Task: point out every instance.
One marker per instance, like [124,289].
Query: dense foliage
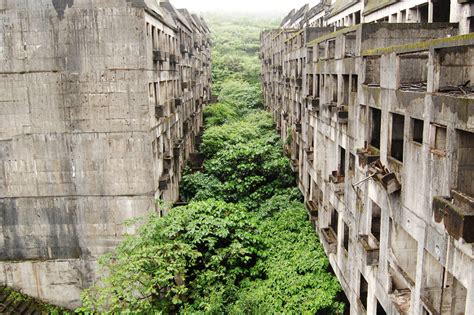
[243,244]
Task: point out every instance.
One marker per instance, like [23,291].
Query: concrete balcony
[371,248]
[386,178]
[367,156]
[312,208]
[457,214]
[329,239]
[343,115]
[159,55]
[336,181]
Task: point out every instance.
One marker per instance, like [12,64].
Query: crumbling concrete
[100,107]
[379,123]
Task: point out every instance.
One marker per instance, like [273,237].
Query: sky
[247,6]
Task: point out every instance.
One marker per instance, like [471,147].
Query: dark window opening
[357,17]
[376,119]
[364,290]
[351,163]
[417,130]
[376,221]
[455,69]
[471,24]
[380,309]
[331,49]
[342,161]
[350,44]
[310,84]
[441,10]
[465,154]
[438,138]
[316,83]
[413,71]
[345,242]
[423,13]
[398,127]
[322,50]
[334,88]
[345,81]
[334,220]
[354,84]
[372,71]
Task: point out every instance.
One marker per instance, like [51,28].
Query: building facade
[378,119]
[100,106]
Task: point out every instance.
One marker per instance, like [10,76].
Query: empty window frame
[334,220]
[345,241]
[455,68]
[345,89]
[405,249]
[376,221]
[351,164]
[331,49]
[316,85]
[310,84]
[350,45]
[372,71]
[465,161]
[322,50]
[375,127]
[441,10]
[423,13]
[413,71]
[438,137]
[441,295]
[363,291]
[417,127]
[354,83]
[357,17]
[380,310]
[334,87]
[342,161]
[397,138]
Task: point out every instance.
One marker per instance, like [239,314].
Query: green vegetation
[15,301]
[243,244]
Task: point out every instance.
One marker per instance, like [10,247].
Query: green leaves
[241,94]
[243,244]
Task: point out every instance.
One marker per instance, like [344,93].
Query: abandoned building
[375,102]
[100,106]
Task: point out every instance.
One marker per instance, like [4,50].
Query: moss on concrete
[457,40]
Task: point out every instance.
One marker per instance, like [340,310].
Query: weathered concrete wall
[387,240]
[82,145]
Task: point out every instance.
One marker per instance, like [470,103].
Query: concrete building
[100,106]
[378,119]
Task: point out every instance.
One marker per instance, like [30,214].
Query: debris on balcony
[414,87]
[401,299]
[367,156]
[464,90]
[383,175]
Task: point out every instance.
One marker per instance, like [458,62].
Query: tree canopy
[243,243]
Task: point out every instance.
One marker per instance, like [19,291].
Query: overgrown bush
[243,244]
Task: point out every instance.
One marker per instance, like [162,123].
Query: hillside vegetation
[243,244]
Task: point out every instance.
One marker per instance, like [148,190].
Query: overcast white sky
[253,6]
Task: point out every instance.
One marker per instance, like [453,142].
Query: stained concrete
[90,126]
